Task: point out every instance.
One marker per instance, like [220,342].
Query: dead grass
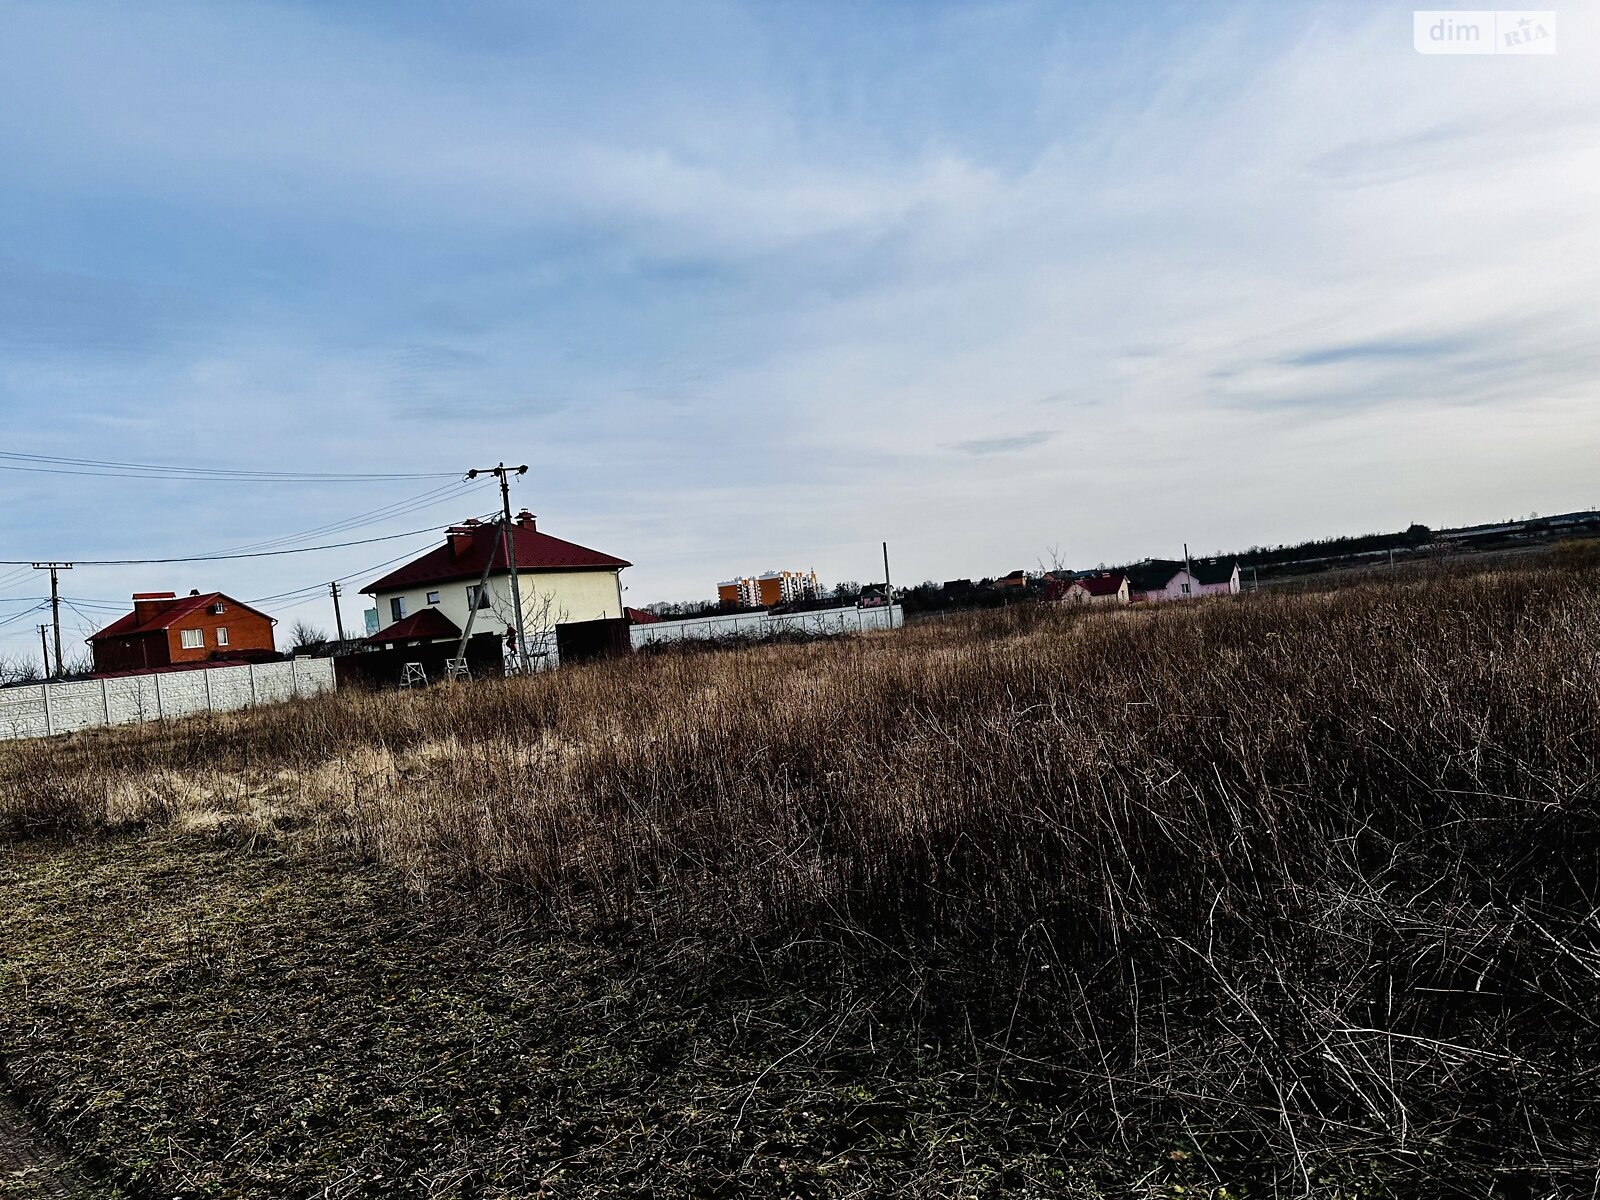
[1309,879]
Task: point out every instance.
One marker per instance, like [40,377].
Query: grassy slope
[201,1020]
[1312,881]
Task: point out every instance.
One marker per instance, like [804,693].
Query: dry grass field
[1283,894]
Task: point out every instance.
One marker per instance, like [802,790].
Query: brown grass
[1311,880]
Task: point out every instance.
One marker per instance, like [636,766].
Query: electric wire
[140,562]
[18,616]
[51,464]
[310,591]
[398,508]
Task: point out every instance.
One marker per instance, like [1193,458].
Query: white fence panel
[41,709]
[758,625]
[22,712]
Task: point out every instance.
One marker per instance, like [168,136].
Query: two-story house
[432,597]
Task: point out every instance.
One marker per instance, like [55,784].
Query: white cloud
[1266,278]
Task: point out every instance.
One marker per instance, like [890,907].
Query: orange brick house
[164,629]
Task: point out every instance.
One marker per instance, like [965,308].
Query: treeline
[1413,537]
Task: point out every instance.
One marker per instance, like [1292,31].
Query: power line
[387,512]
[139,562]
[18,616]
[49,464]
[314,590]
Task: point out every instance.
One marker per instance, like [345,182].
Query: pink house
[1157,579]
[1164,579]
[1215,577]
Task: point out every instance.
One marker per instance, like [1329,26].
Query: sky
[763,285]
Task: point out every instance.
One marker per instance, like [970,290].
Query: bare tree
[19,669]
[304,633]
[540,615]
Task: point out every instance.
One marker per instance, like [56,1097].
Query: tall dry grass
[1313,879]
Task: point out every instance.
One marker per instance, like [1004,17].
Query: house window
[193,639]
[222,635]
[1185,588]
[217,608]
[433,597]
[397,608]
[476,598]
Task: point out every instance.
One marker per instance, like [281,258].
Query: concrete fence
[756,625]
[41,709]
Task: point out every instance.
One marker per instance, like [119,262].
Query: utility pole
[888,592]
[504,472]
[55,602]
[338,618]
[44,650]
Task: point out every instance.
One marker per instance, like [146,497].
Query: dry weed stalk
[1314,877]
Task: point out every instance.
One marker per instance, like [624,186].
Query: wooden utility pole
[44,650]
[504,472]
[55,602]
[338,619]
[478,600]
[888,592]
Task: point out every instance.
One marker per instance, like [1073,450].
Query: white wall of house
[548,599]
[1181,586]
[1229,586]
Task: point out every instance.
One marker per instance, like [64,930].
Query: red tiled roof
[1102,585]
[169,614]
[425,623]
[640,616]
[463,556]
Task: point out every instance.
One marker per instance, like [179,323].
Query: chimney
[146,605]
[194,591]
[526,520]
[461,536]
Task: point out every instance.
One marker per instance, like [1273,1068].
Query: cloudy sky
[761,285]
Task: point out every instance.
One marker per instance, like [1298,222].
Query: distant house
[640,616]
[432,597]
[1216,577]
[164,630]
[1106,587]
[1157,579]
[1016,579]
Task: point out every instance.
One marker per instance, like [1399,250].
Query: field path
[29,1169]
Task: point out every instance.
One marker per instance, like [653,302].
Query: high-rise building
[771,588]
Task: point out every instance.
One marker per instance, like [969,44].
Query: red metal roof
[1102,585]
[468,546]
[640,616]
[168,611]
[425,623]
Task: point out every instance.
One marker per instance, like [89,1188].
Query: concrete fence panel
[757,625]
[42,709]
